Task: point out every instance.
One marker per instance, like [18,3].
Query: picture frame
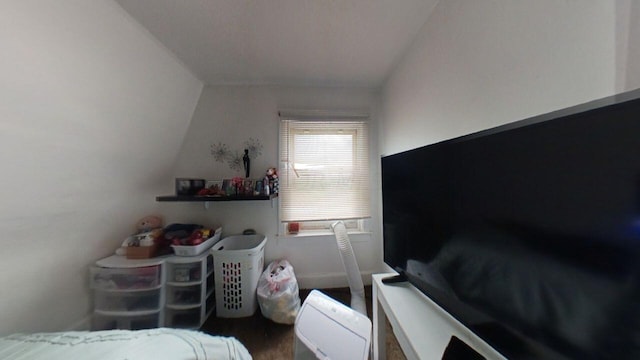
[227,187]
[183,186]
[212,184]
[247,187]
[258,188]
[214,188]
[188,186]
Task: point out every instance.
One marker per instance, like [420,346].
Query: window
[324,172]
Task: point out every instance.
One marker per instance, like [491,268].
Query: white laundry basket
[238,262]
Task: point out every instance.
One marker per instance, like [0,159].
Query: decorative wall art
[236,159]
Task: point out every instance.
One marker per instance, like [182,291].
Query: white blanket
[152,344]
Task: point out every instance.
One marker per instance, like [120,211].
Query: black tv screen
[528,233]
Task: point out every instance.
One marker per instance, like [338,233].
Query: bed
[152,344]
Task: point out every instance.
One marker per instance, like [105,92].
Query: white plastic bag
[278,294]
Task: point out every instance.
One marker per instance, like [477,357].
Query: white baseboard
[329,280]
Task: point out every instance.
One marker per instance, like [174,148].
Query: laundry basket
[238,262]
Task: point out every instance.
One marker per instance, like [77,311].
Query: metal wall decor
[237,160]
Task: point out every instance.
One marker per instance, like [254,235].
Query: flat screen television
[528,233]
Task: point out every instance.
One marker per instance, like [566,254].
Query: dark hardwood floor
[267,340]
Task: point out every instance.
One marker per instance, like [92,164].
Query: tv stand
[420,337]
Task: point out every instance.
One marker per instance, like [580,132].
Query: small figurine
[271,181]
[246,162]
[265,186]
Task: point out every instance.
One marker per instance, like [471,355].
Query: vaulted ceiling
[285,42]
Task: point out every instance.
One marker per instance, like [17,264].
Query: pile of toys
[151,239]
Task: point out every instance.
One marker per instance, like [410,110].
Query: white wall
[627,45]
[480,64]
[233,114]
[92,114]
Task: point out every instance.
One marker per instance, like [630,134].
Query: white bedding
[152,344]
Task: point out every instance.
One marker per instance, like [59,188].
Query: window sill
[354,236]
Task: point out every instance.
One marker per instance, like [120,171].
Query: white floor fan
[356,286]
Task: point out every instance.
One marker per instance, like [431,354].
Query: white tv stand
[422,328]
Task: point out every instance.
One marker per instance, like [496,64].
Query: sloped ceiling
[285,42]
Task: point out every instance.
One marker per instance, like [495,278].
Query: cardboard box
[142,252]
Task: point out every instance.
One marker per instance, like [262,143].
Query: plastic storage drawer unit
[128,294]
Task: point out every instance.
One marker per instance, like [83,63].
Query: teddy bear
[148,223]
[147,231]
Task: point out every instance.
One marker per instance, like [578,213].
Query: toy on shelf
[271,185]
[214,189]
[146,241]
[149,223]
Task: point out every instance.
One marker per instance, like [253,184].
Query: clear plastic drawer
[183,318]
[184,295]
[133,322]
[185,272]
[125,279]
[106,300]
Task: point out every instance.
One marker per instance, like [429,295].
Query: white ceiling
[286,42]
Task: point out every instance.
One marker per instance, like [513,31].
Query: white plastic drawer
[106,300]
[125,279]
[134,322]
[183,318]
[184,295]
[185,272]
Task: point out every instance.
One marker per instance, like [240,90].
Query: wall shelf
[195,198]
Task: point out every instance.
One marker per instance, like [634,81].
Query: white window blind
[324,172]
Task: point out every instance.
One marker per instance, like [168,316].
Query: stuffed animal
[271,181]
[148,231]
[148,223]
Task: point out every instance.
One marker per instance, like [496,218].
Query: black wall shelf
[195,198]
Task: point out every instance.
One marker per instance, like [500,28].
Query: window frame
[361,155]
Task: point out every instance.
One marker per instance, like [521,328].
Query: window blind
[324,170]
